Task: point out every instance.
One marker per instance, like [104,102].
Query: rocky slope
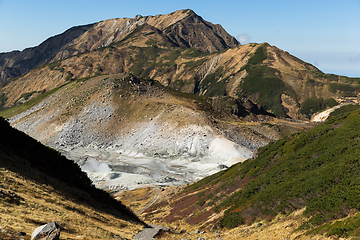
[143,129]
[180,28]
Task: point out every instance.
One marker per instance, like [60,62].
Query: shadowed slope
[27,167]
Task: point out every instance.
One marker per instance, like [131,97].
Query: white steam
[93,165]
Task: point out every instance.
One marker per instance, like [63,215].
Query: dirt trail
[156,197]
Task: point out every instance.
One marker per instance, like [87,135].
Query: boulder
[50,231]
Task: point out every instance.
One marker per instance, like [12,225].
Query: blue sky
[324,33]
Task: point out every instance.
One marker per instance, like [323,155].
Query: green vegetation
[54,65]
[145,59]
[177,84]
[313,104]
[213,83]
[69,76]
[29,94]
[344,109]
[266,88]
[345,89]
[232,220]
[151,42]
[314,83]
[259,56]
[193,64]
[318,169]
[9,112]
[262,85]
[3,99]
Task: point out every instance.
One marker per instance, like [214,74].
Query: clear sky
[325,33]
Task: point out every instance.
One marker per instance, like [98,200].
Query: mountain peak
[182,28]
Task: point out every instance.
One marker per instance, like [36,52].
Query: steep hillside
[180,28]
[144,129]
[39,185]
[317,170]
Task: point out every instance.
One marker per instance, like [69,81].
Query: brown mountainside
[182,51]
[262,73]
[181,28]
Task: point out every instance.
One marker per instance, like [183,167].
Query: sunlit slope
[317,169]
[268,76]
[178,29]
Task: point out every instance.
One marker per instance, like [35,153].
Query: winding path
[156,197]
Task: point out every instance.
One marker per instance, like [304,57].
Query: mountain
[314,172]
[39,185]
[180,28]
[129,120]
[170,99]
[144,88]
[281,83]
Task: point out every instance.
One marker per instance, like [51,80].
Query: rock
[202,232]
[50,231]
[213,227]
[197,231]
[21,234]
[217,231]
[222,166]
[182,231]
[258,225]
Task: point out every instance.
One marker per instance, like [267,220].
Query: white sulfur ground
[119,170]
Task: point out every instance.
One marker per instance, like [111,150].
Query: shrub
[231,220]
[313,104]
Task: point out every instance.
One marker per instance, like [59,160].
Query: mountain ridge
[92,36]
[178,50]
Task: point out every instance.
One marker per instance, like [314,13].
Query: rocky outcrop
[195,32]
[50,231]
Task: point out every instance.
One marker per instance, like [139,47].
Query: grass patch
[344,89]
[313,104]
[9,112]
[318,169]
[3,99]
[265,88]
